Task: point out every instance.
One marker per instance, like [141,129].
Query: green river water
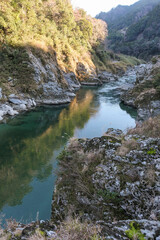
[31,142]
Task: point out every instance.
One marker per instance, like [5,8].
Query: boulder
[16,101]
[20,107]
[107,77]
[72,80]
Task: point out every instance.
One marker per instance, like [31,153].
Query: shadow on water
[130,110]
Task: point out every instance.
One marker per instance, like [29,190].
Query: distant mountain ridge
[135,29]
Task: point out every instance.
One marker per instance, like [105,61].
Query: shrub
[134,232]
[157,82]
[154,60]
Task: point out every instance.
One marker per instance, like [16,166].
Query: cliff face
[38,79]
[44,53]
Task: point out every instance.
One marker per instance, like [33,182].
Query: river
[31,142]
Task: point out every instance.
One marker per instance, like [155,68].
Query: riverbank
[142,94]
[52,94]
[145,94]
[111,191]
[43,82]
[106,188]
[115,181]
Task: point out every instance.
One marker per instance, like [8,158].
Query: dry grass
[3,234]
[37,236]
[70,229]
[149,128]
[150,176]
[73,144]
[73,229]
[12,224]
[127,146]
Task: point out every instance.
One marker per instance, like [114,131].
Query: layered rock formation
[145,95]
[114,183]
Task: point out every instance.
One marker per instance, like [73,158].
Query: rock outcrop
[114,182]
[42,81]
[145,95]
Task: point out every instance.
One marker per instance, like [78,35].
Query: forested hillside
[35,34]
[134,30]
[45,27]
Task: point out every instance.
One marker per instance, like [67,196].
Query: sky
[93,7]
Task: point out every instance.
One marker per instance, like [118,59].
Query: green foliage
[109,196]
[86,28]
[115,63]
[151,151]
[96,237]
[15,67]
[134,232]
[154,60]
[63,155]
[134,30]
[47,23]
[157,82]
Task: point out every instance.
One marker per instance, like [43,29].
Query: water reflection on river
[30,143]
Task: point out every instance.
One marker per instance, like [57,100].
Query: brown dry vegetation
[149,128]
[127,146]
[73,229]
[70,229]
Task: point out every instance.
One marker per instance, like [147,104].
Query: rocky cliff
[42,82]
[47,50]
[44,53]
[112,189]
[33,76]
[145,94]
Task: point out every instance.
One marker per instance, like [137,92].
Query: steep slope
[42,45]
[47,50]
[134,30]
[124,16]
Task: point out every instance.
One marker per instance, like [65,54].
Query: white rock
[17,101]
[71,94]
[10,79]
[5,108]
[42,221]
[12,95]
[34,103]
[12,112]
[158,166]
[51,234]
[29,103]
[1,113]
[22,106]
